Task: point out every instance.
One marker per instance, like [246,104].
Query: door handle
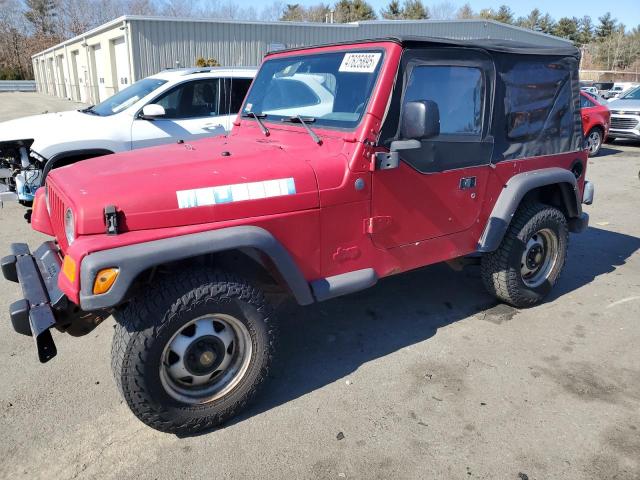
[467,183]
[213,126]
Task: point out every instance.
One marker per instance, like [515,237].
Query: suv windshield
[127,97]
[633,94]
[330,89]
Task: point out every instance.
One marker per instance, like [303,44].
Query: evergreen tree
[531,21]
[392,11]
[465,12]
[42,15]
[353,11]
[585,33]
[606,27]
[504,15]
[414,10]
[293,12]
[547,24]
[567,28]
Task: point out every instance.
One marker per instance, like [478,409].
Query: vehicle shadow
[605,151]
[623,142]
[326,342]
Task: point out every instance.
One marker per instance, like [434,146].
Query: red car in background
[596,120]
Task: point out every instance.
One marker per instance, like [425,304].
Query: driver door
[437,189]
[192,111]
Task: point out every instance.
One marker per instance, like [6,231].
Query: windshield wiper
[89,109]
[304,121]
[259,117]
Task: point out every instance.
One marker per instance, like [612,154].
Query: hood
[49,129]
[184,184]
[625,104]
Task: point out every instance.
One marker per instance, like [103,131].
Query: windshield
[329,89]
[127,97]
[633,94]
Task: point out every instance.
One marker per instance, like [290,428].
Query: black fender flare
[513,193]
[86,152]
[132,260]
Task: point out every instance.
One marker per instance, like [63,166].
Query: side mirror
[152,111]
[420,120]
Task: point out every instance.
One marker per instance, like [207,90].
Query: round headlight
[69,226]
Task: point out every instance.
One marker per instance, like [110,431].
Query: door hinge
[376,224]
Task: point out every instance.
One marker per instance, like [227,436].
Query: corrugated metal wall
[159,43]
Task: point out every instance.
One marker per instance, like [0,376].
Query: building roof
[121,22]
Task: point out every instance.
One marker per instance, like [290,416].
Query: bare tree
[272,12]
[443,11]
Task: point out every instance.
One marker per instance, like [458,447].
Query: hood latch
[111,219]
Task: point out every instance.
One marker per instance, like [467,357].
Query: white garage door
[99,74]
[122,64]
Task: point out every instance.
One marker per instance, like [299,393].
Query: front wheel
[528,262]
[191,354]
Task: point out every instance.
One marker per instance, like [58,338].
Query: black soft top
[489,45]
[492,45]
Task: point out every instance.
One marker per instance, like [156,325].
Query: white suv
[625,116]
[182,104]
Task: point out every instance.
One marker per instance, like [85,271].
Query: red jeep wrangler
[347,163]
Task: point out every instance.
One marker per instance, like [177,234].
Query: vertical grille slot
[57,217]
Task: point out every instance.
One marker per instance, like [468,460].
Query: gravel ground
[18,104]
[422,376]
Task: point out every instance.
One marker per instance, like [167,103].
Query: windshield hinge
[111,219]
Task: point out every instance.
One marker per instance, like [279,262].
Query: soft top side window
[461,82]
[535,108]
[540,105]
[458,92]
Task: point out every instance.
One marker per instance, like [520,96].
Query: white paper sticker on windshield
[360,62]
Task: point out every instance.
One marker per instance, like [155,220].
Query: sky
[626,11]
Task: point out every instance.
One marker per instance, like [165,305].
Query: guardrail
[17,85]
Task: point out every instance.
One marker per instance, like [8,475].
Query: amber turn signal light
[69,268]
[104,280]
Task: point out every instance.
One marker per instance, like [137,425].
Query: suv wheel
[193,352]
[594,141]
[528,262]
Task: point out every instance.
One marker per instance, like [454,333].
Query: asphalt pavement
[422,376]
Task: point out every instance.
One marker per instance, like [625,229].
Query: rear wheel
[194,352]
[528,262]
[594,141]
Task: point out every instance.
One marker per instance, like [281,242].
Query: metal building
[93,66]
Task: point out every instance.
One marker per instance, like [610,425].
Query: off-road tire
[500,269]
[145,325]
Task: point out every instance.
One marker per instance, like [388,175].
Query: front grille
[624,123]
[57,216]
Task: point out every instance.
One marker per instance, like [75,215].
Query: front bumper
[625,126]
[36,312]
